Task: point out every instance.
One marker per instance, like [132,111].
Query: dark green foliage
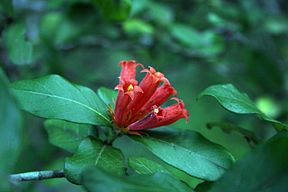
[264,169]
[233,51]
[10,132]
[54,97]
[98,180]
[189,152]
[93,153]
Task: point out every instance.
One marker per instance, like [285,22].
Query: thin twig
[36,176]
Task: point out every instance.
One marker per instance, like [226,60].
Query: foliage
[10,141]
[235,52]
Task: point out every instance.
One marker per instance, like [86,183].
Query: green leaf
[235,101]
[204,186]
[185,34]
[93,153]
[6,6]
[10,132]
[95,180]
[262,170]
[160,13]
[66,135]
[108,96]
[190,152]
[145,166]
[54,97]
[139,155]
[268,106]
[138,27]
[206,43]
[250,136]
[230,98]
[19,50]
[115,10]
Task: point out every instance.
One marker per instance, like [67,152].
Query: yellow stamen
[130,88]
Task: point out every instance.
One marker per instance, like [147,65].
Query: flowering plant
[105,142]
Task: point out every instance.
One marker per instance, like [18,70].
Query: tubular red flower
[150,120]
[127,89]
[149,85]
[137,107]
[161,116]
[159,97]
[128,71]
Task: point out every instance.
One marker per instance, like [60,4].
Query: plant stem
[36,176]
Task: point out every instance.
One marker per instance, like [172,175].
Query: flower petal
[149,85]
[161,116]
[150,120]
[128,71]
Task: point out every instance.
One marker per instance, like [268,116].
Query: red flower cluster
[138,106]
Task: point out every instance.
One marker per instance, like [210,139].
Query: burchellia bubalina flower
[138,105]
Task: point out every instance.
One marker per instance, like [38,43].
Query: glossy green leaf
[10,132]
[235,101]
[108,96]
[20,51]
[54,97]
[95,180]
[230,98]
[264,169]
[145,166]
[190,152]
[66,135]
[115,10]
[93,153]
[138,155]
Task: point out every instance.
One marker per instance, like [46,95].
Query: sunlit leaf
[138,27]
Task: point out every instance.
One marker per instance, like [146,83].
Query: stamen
[156,110]
[130,88]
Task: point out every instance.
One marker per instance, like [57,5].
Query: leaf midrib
[143,165]
[99,154]
[66,99]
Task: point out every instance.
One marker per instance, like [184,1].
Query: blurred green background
[195,43]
